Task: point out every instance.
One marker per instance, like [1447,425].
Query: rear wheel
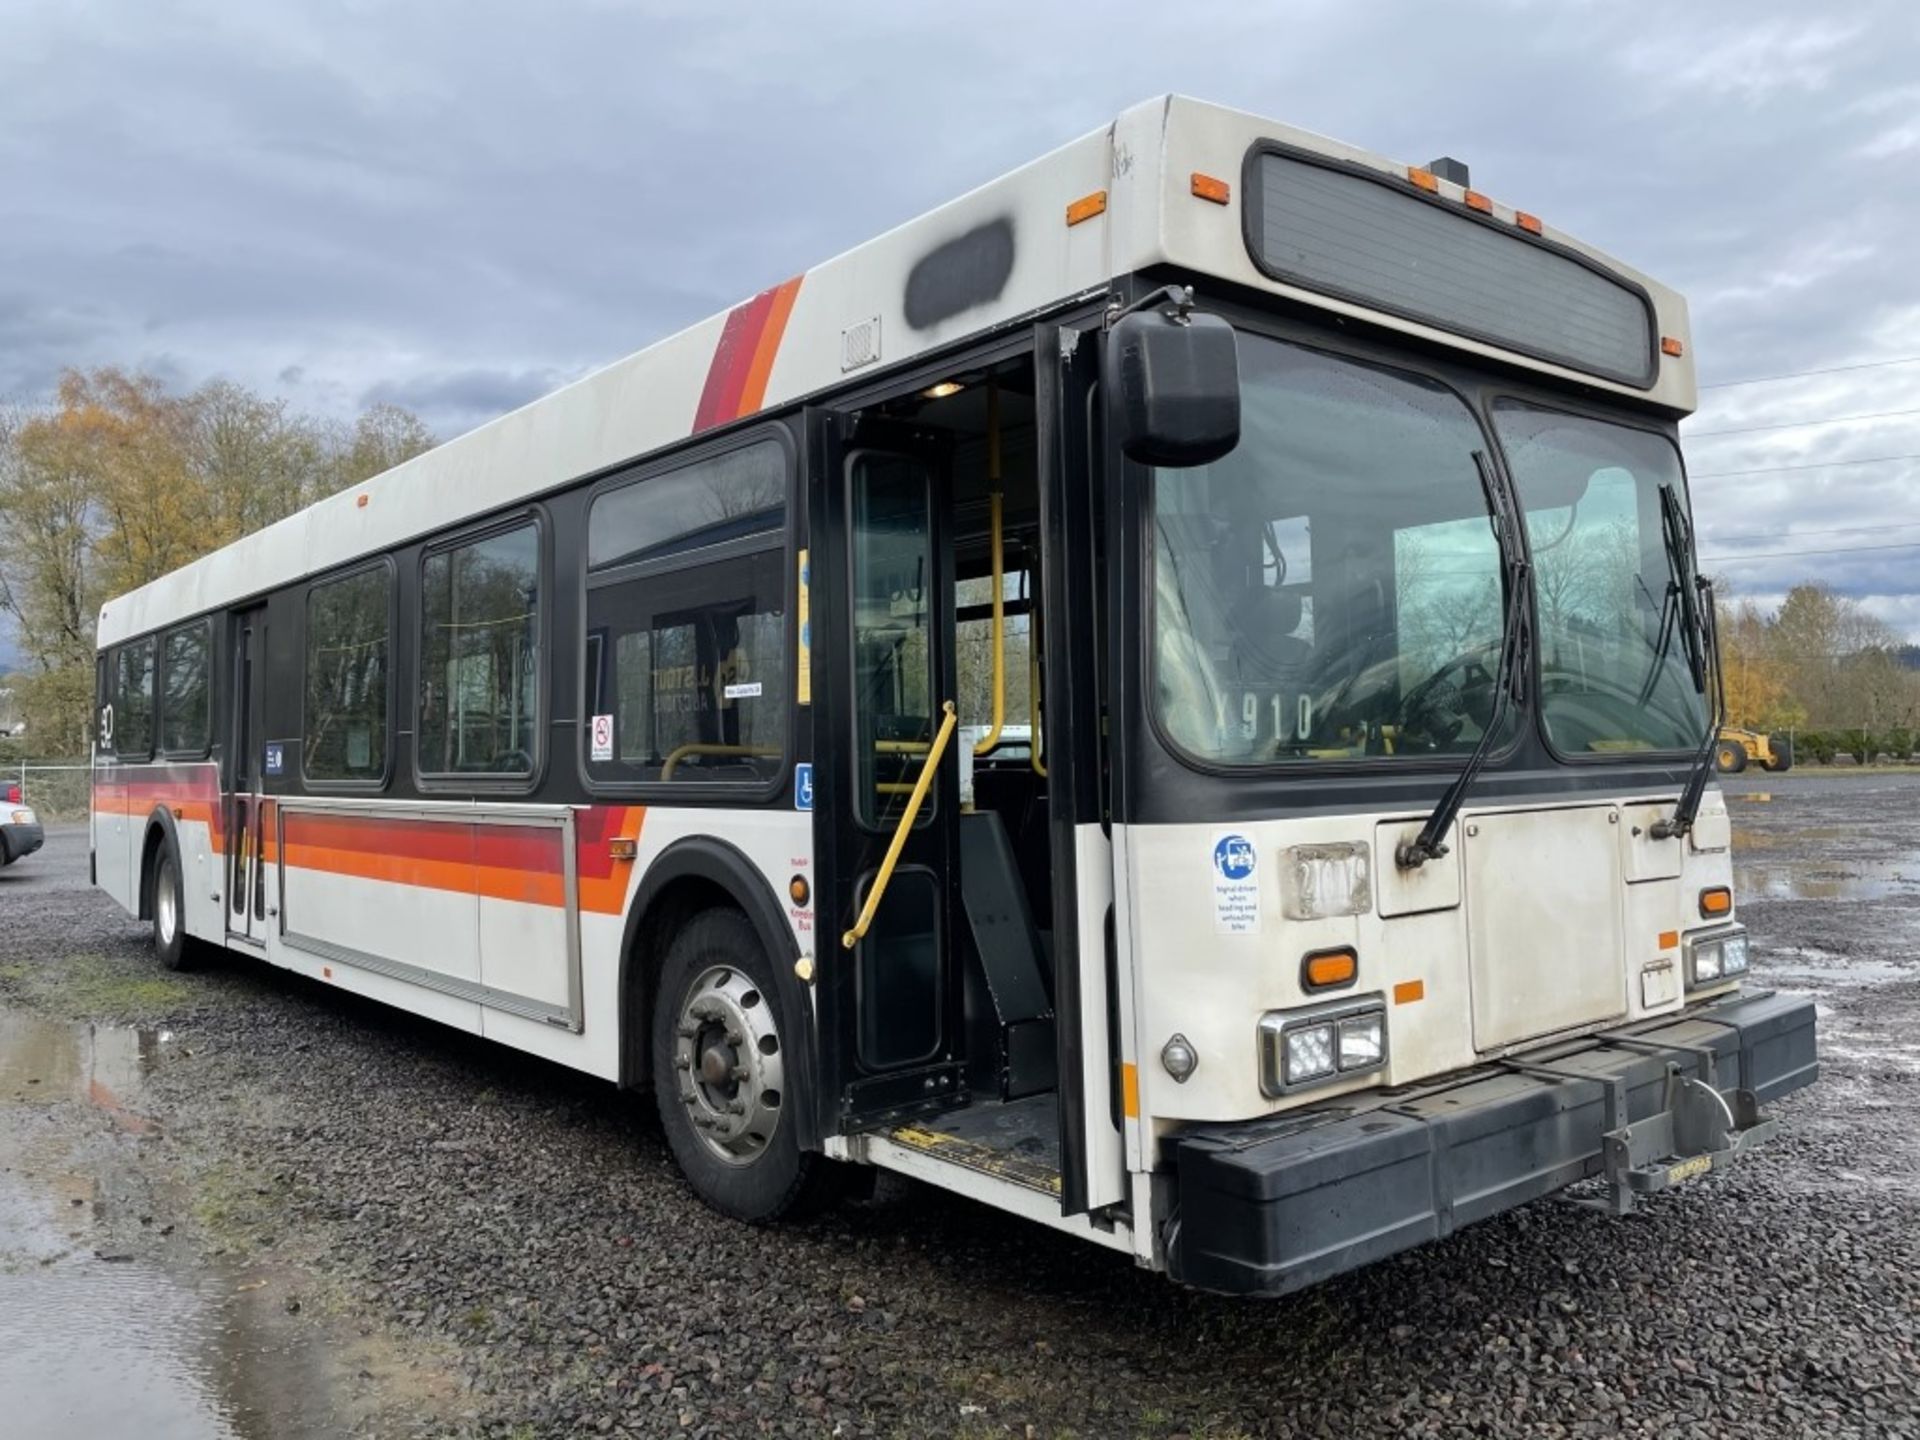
[1729,758]
[170,941]
[722,1076]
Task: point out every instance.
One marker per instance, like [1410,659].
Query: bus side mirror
[1172,379]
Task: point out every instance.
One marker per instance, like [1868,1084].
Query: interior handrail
[907,817]
[687,752]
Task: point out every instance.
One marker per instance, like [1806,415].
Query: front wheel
[723,1078]
[1730,759]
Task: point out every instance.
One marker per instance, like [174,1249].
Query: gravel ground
[517,1240]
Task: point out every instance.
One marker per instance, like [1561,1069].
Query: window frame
[784,539]
[138,757]
[162,670]
[518,782]
[364,785]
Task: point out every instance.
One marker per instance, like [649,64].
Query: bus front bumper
[1272,1206]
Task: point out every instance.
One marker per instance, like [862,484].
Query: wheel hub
[729,1063]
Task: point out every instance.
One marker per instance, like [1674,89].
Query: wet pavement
[102,1337]
[233,1203]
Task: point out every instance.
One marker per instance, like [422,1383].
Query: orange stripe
[754,393]
[1130,1090]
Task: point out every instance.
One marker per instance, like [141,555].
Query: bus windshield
[1332,588]
[1614,674]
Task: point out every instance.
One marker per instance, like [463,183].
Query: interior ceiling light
[942,390]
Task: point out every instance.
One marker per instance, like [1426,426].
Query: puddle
[100,1337]
[1826,879]
[104,1065]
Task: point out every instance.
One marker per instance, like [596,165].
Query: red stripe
[732,359]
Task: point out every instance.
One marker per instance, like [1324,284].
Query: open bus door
[890,1005]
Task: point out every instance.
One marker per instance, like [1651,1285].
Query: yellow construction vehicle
[1737,748]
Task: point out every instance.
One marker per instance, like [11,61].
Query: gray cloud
[454,208]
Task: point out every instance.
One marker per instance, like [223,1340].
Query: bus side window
[695,666]
[133,714]
[479,655]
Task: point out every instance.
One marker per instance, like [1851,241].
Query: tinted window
[133,705]
[347,658]
[479,655]
[186,717]
[740,493]
[688,668]
[894,700]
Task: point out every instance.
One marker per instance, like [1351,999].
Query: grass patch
[94,987]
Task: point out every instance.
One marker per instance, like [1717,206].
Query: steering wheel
[1439,707]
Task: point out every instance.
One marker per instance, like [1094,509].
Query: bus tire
[170,940]
[725,1090]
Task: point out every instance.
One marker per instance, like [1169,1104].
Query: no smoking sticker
[602,737]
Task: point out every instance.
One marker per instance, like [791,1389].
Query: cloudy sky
[458,206]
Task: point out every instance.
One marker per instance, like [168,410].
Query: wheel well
[149,859]
[666,912]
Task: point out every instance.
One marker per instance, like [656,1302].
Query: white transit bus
[1352,874]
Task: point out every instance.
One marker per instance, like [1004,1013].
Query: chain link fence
[56,789]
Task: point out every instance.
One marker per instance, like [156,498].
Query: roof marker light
[1670,346]
[1477,201]
[1528,223]
[1086,207]
[1209,187]
[1424,179]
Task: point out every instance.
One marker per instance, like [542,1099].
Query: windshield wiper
[1509,679]
[1699,627]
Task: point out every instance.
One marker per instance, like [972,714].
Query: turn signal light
[1715,902]
[622,848]
[1671,346]
[1329,970]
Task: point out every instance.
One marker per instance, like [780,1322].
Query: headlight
[1733,955]
[1363,1041]
[1715,956]
[1309,1053]
[1299,1048]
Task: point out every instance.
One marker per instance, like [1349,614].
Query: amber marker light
[798,888]
[1671,346]
[1528,223]
[1210,187]
[1716,903]
[1329,970]
[1477,201]
[1423,179]
[1086,207]
[623,848]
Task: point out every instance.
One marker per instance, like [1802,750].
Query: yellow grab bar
[907,817]
[683,752]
